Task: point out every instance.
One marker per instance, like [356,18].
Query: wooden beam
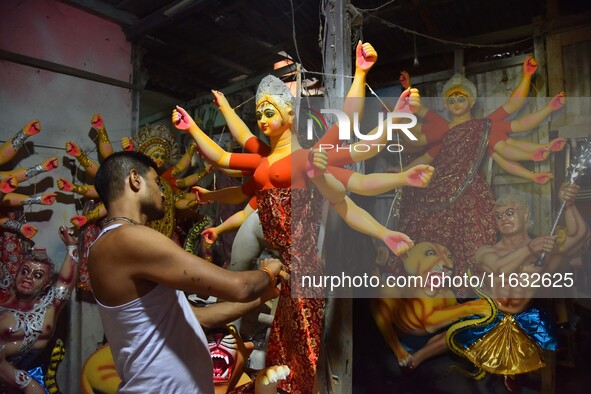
[66,70]
[105,10]
[164,16]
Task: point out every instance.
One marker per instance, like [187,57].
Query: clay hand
[409,101]
[530,65]
[542,244]
[558,101]
[79,220]
[317,163]
[67,235]
[8,185]
[200,194]
[28,231]
[127,144]
[181,119]
[398,243]
[404,79]
[568,192]
[209,235]
[366,56]
[64,184]
[219,99]
[419,176]
[48,198]
[50,164]
[72,149]
[32,128]
[97,122]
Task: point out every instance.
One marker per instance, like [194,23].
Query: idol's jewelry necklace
[128,220]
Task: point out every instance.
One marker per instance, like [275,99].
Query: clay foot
[557,144]
[407,366]
[542,178]
[268,378]
[541,154]
[398,243]
[512,384]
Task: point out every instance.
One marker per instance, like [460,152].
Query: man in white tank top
[138,277]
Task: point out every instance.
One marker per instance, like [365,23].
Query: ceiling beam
[105,10]
[183,76]
[196,49]
[66,70]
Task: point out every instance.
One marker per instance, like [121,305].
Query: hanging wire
[293,32]
[376,8]
[456,43]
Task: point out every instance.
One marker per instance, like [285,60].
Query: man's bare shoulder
[118,259]
[134,236]
[127,245]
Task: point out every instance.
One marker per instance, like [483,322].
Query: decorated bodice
[30,326]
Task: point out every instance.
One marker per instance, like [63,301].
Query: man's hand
[72,149]
[419,176]
[50,164]
[365,56]
[275,266]
[530,65]
[32,128]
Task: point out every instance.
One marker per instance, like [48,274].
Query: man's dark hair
[110,178]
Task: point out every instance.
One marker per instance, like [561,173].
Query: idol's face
[429,260]
[158,155]
[223,349]
[458,104]
[270,120]
[32,278]
[510,219]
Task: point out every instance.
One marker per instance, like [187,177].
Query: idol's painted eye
[459,99]
[259,115]
[429,252]
[269,113]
